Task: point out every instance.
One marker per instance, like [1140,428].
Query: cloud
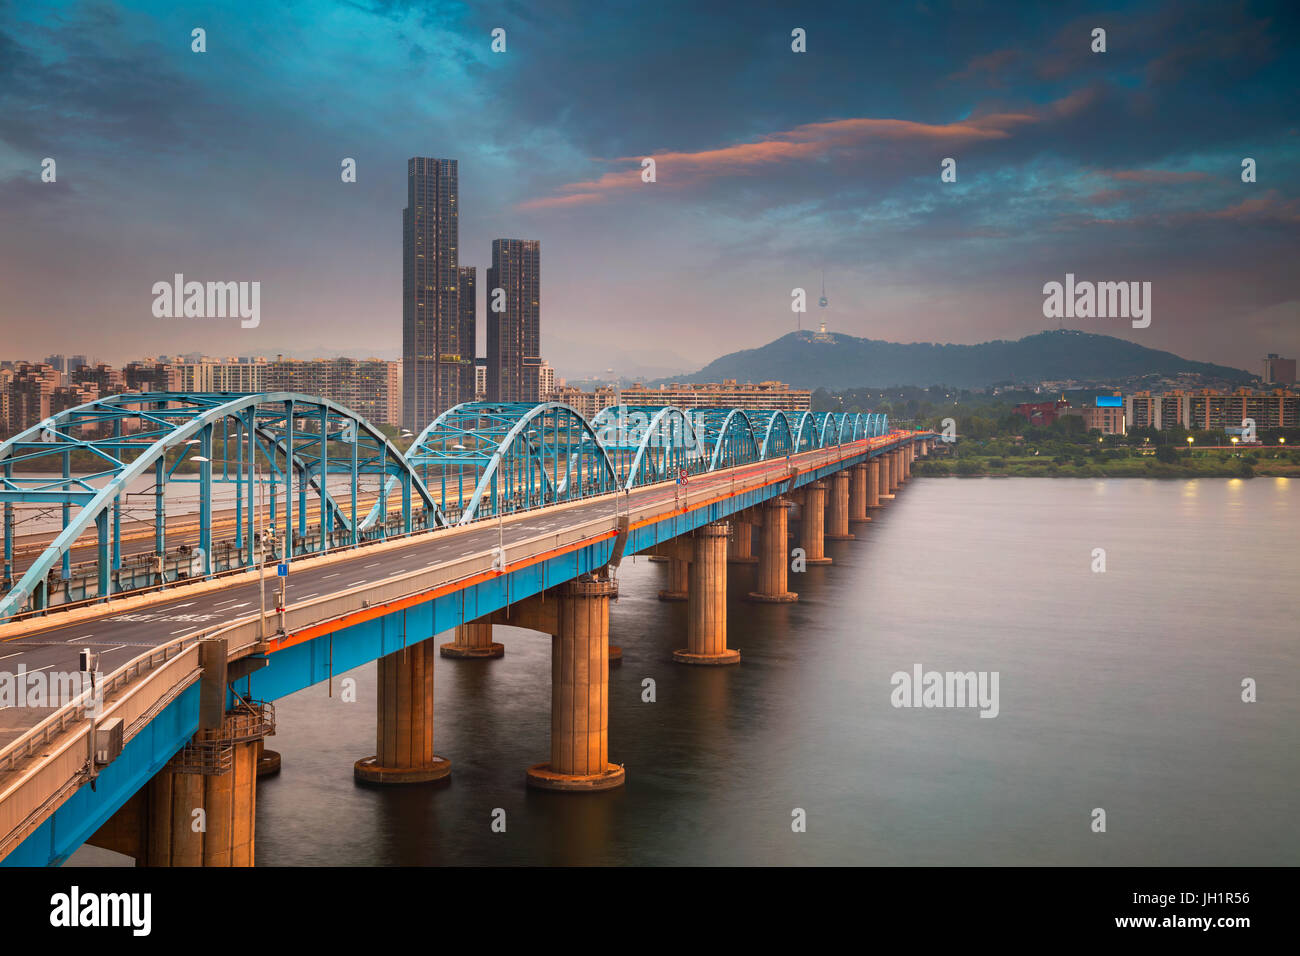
[1158,176]
[810,142]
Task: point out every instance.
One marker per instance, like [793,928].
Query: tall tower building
[468,332]
[514,333]
[430,291]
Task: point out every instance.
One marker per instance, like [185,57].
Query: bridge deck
[121,633]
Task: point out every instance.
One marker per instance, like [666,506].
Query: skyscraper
[514,333]
[431,349]
[468,332]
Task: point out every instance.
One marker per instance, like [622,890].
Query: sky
[771,167]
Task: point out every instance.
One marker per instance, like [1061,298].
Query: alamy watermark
[210,300]
[42,688]
[1101,300]
[946,689]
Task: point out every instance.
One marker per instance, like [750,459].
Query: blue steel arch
[168,422]
[488,458]
[808,433]
[729,437]
[778,433]
[650,443]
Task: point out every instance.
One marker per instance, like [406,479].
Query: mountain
[836,361]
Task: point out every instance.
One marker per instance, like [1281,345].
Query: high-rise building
[1278,370]
[368,387]
[545,380]
[1207,409]
[726,394]
[468,331]
[431,350]
[514,330]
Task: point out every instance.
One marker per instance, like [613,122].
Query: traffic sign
[681,476]
[282,570]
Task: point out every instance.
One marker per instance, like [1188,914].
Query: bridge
[154,621]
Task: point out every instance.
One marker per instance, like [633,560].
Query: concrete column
[858,493]
[837,507]
[895,465]
[812,529]
[404,734]
[678,581]
[231,802]
[579,693]
[740,550]
[773,559]
[706,610]
[473,641]
[173,840]
[873,483]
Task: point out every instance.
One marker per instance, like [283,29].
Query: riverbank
[1145,467]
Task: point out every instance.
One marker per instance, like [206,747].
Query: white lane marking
[328,576]
[227,601]
[375,565]
[236,606]
[186,604]
[45,668]
[306,596]
[355,583]
[112,649]
[181,631]
[83,637]
[7,656]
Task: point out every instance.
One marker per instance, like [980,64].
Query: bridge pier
[837,507]
[858,493]
[679,581]
[773,569]
[404,734]
[740,549]
[706,610]
[201,808]
[473,642]
[893,471]
[873,483]
[579,626]
[812,527]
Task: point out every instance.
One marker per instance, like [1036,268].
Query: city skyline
[1117,166]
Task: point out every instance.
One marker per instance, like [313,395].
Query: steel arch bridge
[277,450]
[482,459]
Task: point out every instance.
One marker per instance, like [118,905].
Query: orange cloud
[806,142]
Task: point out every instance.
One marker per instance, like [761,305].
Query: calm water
[1118,690]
